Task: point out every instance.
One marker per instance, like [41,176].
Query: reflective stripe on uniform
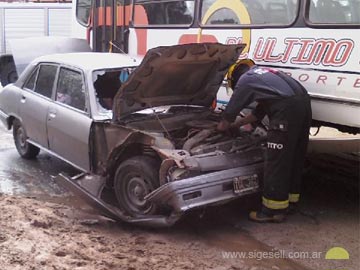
[294,198]
[271,204]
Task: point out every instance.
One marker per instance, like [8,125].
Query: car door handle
[23,99]
[52,115]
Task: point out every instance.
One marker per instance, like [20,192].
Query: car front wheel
[134,179]
[25,149]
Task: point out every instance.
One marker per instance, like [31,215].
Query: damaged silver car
[143,134]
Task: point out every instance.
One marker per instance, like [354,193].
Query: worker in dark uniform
[287,104]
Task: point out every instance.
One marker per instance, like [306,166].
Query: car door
[69,121]
[35,100]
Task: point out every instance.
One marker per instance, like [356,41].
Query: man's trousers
[288,136]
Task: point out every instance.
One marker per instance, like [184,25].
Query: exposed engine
[212,151]
[197,147]
[202,138]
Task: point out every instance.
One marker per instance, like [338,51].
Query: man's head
[238,69]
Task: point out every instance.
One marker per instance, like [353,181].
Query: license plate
[246,183]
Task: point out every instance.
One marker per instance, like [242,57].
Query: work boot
[267,215]
[292,209]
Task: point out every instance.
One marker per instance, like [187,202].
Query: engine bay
[193,129]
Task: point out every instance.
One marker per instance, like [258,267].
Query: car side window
[31,81]
[70,89]
[45,80]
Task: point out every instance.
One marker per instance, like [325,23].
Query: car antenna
[121,50]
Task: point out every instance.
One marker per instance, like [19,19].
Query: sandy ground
[43,235]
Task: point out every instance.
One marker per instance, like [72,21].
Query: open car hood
[189,74]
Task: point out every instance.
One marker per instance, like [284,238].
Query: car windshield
[107,83]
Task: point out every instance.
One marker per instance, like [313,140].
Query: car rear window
[31,81]
[45,80]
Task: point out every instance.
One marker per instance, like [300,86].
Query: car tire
[134,179]
[8,74]
[24,148]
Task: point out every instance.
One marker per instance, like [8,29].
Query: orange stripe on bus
[101,19]
[120,15]
[141,34]
[107,20]
[108,16]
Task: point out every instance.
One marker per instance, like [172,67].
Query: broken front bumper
[90,187]
[208,189]
[181,195]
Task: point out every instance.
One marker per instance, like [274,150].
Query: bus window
[224,16]
[83,11]
[250,12]
[334,11]
[178,12]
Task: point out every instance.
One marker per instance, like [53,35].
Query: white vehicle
[316,41]
[153,147]
[23,20]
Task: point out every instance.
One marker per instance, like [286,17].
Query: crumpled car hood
[189,74]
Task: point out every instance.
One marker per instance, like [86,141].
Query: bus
[315,41]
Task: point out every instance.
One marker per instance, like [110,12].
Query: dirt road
[42,235]
[44,227]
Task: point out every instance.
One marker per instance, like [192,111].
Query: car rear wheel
[134,179]
[25,149]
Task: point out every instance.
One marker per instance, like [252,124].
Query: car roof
[91,60]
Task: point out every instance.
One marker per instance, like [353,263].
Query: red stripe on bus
[108,16]
[120,15]
[141,34]
[100,17]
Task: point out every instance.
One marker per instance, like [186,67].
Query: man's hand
[247,119]
[223,125]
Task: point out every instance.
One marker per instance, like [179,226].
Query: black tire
[134,179]
[8,73]
[24,148]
